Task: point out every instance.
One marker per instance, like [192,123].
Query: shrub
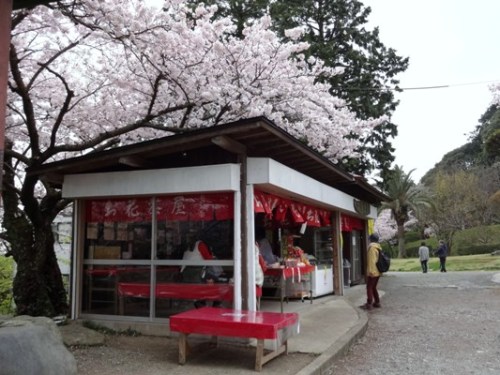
[478,249]
[390,250]
[475,239]
[6,272]
[412,247]
[412,236]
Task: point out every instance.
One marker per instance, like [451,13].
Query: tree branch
[23,92]
[64,109]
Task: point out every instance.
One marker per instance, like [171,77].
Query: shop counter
[216,322]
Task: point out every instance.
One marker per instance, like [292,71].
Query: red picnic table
[292,273]
[260,325]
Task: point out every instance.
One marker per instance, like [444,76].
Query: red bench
[217,322]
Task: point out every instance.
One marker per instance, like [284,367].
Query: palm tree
[405,197]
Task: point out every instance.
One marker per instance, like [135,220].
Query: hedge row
[478,249]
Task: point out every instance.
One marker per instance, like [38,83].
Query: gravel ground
[149,355]
[434,323]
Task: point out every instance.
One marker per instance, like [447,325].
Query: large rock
[33,346]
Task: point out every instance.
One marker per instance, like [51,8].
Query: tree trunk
[401,241]
[38,289]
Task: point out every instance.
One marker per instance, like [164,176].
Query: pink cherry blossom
[131,72]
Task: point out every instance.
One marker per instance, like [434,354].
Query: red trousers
[371,290]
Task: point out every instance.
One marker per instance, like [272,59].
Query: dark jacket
[442,251]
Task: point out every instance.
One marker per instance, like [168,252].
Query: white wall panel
[222,177]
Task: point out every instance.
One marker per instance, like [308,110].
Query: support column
[338,269]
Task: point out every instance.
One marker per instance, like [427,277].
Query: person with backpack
[442,253]
[372,274]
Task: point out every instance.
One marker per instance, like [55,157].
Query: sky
[449,42]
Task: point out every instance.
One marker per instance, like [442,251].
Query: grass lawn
[482,262]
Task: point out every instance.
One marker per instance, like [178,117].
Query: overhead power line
[447,86]
[415,87]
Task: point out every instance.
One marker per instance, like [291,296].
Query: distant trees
[465,199]
[466,182]
[405,198]
[482,151]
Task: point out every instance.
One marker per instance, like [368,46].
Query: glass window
[187,241]
[118,229]
[109,289]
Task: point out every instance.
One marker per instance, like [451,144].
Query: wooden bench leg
[183,348]
[259,355]
[261,358]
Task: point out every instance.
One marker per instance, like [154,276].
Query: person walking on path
[423,255]
[442,253]
[372,274]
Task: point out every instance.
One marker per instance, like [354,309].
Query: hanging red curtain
[277,208]
[350,223]
[310,215]
[281,210]
[294,211]
[325,217]
[261,204]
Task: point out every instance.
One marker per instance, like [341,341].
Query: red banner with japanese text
[195,207]
[119,210]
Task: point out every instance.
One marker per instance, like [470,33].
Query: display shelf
[101,289]
[323,250]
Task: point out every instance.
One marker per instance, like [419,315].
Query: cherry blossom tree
[89,75]
[385,226]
